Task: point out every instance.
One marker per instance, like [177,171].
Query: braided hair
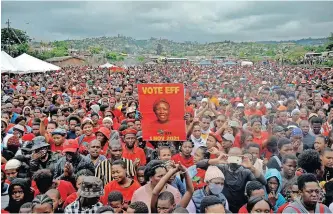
[42,199]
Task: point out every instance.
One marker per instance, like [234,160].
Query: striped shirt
[103,170]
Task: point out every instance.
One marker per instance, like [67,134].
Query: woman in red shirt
[185,157]
[121,183]
[87,136]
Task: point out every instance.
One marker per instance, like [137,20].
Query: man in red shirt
[130,150]
[57,140]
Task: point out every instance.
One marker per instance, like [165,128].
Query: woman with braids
[42,204]
[19,193]
[154,171]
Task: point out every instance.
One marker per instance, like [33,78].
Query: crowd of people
[259,140]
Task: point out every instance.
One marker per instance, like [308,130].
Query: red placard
[162,108]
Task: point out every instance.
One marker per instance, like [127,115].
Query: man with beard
[103,170]
[309,196]
[42,157]
[236,175]
[130,150]
[89,196]
[67,167]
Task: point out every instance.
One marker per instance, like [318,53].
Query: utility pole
[8,29]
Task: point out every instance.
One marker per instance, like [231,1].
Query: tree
[159,49]
[111,56]
[141,58]
[329,46]
[13,36]
[95,50]
[14,41]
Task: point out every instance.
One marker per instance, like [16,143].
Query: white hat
[108,119]
[19,127]
[229,137]
[213,172]
[240,105]
[268,105]
[204,100]
[12,164]
[295,111]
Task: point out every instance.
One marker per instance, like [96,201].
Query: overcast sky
[179,21]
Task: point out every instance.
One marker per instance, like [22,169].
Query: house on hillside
[67,61]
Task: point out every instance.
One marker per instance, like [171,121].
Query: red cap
[28,137]
[190,110]
[105,131]
[70,146]
[129,131]
[237,99]
[130,120]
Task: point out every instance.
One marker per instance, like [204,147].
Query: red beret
[130,120]
[28,137]
[129,131]
[190,110]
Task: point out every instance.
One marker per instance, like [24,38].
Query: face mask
[10,179]
[215,188]
[234,166]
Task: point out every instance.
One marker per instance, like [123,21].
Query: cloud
[203,21]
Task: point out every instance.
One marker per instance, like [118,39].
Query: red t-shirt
[70,199]
[126,192]
[86,139]
[237,142]
[117,113]
[250,112]
[262,139]
[187,162]
[137,153]
[243,210]
[54,148]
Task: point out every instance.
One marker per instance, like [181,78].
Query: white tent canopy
[30,64]
[107,65]
[8,64]
[246,63]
